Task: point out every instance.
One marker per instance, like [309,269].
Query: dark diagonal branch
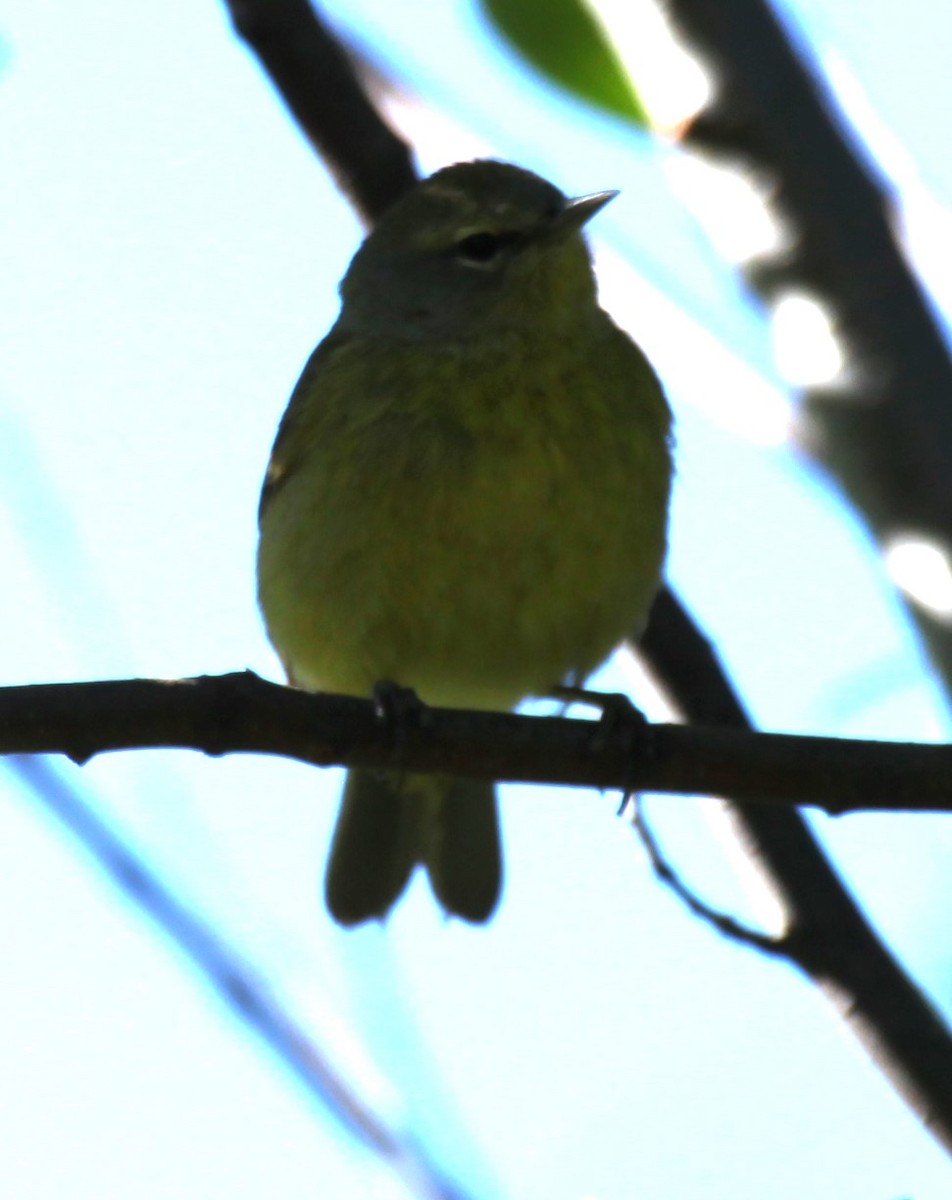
[318,83]
[826,934]
[885,429]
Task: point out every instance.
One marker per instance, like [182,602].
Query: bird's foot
[398,708]
[620,721]
[617,710]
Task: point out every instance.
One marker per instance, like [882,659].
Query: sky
[169,255]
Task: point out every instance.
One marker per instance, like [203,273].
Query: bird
[467,495]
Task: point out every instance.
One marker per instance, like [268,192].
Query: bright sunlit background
[169,256]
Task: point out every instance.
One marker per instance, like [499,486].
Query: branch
[827,935]
[241,713]
[317,81]
[884,430]
[725,925]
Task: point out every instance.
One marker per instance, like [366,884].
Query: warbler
[467,496]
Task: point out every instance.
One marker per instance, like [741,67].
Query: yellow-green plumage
[468,496]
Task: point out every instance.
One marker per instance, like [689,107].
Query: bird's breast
[471,526]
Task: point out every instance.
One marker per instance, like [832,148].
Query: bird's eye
[479,247]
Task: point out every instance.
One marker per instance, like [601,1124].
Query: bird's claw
[620,720]
[619,715]
[398,708]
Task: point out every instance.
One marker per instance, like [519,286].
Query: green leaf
[564,40]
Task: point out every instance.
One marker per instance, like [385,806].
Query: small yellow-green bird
[467,496]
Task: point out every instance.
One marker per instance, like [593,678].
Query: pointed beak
[579,211]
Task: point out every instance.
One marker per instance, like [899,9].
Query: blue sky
[169,256]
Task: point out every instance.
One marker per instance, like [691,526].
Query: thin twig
[729,926]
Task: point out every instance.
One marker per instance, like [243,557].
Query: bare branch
[884,429]
[729,926]
[827,934]
[318,83]
[241,713]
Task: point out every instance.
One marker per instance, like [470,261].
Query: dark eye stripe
[483,247]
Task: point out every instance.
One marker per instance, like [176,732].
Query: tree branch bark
[242,713]
[316,79]
[826,934]
[884,430]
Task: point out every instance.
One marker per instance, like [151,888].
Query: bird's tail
[388,823]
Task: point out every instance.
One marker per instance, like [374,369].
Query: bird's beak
[578,211]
